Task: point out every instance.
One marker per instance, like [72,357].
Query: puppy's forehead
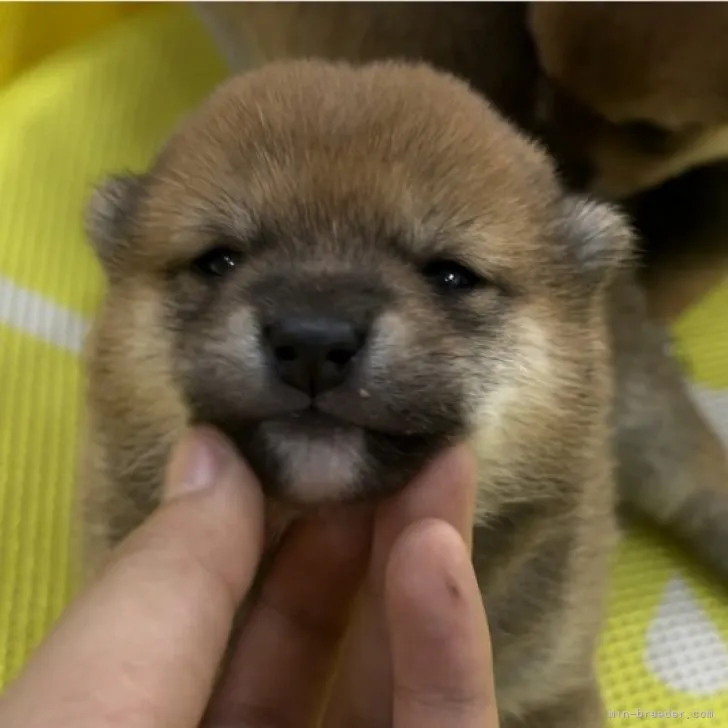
[416,146]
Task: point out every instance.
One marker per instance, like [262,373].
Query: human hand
[418,652]
[142,646]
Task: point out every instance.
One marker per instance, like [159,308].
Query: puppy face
[634,93]
[344,269]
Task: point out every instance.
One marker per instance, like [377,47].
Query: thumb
[146,638]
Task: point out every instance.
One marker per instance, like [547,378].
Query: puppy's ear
[108,214]
[599,238]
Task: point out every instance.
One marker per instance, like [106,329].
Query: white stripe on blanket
[32,314]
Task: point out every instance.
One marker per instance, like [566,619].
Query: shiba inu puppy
[345,268]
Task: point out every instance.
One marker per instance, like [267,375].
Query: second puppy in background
[633,98]
[637,92]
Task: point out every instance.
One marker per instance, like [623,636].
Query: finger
[141,646]
[284,654]
[441,652]
[361,693]
[445,489]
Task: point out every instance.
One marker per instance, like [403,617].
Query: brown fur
[640,89]
[634,101]
[358,177]
[337,185]
[635,96]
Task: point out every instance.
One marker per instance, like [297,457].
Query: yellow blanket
[106,104]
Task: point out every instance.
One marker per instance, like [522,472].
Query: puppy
[636,92]
[347,268]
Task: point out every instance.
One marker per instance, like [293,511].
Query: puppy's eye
[447,275]
[217,262]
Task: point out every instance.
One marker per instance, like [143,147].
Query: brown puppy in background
[638,92]
[634,100]
[345,269]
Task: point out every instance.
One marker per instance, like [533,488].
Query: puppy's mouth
[314,421]
[323,418]
[343,445]
[317,424]
[309,456]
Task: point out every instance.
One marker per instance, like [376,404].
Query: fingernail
[198,463]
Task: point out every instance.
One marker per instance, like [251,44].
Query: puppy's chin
[316,466]
[318,460]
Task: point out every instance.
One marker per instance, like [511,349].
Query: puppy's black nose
[313,353]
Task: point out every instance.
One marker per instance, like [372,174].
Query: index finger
[283,657]
[441,651]
[445,490]
[141,647]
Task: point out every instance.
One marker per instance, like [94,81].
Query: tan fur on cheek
[240,343]
[529,368]
[129,378]
[535,396]
[391,335]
